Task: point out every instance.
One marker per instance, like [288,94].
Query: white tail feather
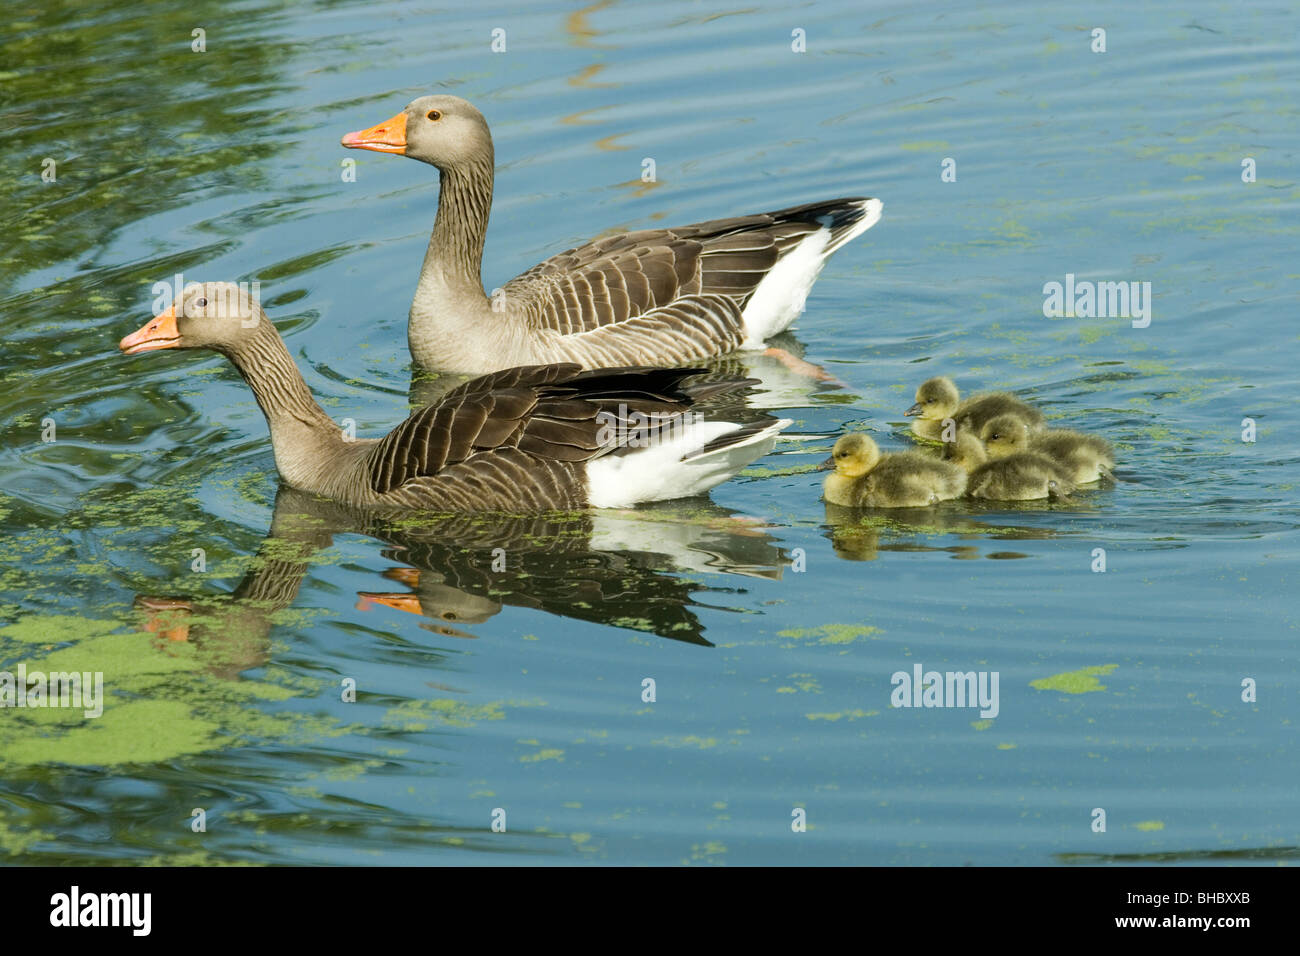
[780,297]
[676,467]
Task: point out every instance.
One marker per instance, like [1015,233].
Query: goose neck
[455,256]
[305,440]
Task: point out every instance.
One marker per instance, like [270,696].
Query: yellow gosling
[865,478]
[1022,476]
[1085,458]
[937,399]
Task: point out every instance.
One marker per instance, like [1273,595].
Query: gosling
[865,478]
[1022,476]
[1085,458]
[938,399]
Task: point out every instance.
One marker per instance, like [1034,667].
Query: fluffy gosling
[866,478]
[937,398]
[1086,458]
[1022,476]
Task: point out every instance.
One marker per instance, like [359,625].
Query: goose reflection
[617,568]
[623,569]
[785,380]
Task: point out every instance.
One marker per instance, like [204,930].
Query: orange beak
[161,333]
[388,137]
[398,602]
[167,616]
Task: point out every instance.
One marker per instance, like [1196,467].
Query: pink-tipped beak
[388,137]
[161,333]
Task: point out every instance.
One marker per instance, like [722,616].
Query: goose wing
[614,280]
[496,427]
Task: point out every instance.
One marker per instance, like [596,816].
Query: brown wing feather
[691,328]
[619,278]
[476,439]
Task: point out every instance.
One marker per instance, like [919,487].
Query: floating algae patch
[546,753]
[17,839]
[35,629]
[417,715]
[765,471]
[686,742]
[844,715]
[133,731]
[831,633]
[159,699]
[1075,682]
[1149,825]
[802,682]
[156,508]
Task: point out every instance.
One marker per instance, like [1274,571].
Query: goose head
[967,452]
[443,131]
[936,399]
[1005,435]
[852,457]
[208,315]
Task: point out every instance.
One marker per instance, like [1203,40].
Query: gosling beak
[161,333]
[827,465]
[388,137]
[914,410]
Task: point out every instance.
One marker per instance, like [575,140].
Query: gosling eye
[449,616]
[434,115]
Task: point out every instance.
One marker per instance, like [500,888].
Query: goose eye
[434,115]
[201,302]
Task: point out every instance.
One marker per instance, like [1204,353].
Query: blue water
[522,690]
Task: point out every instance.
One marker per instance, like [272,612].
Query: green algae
[417,715]
[1075,682]
[843,715]
[832,633]
[160,698]
[133,731]
[15,841]
[546,753]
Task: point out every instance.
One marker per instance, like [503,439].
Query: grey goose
[535,438]
[649,297]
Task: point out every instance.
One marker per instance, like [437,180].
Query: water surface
[770,627]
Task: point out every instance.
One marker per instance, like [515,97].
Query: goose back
[520,439]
